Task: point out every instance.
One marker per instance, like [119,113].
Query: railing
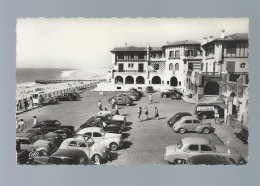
[211,74]
[131,60]
[135,71]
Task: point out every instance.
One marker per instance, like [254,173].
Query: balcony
[131,60]
[211,74]
[162,59]
[130,71]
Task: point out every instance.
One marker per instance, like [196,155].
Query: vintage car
[170,93]
[63,157]
[208,159]
[191,123]
[140,94]
[96,152]
[150,89]
[109,117]
[55,126]
[22,156]
[133,96]
[50,101]
[121,100]
[31,142]
[44,134]
[97,122]
[194,146]
[110,140]
[176,117]
[67,97]
[206,110]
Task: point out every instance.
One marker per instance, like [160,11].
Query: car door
[83,146]
[192,150]
[206,149]
[188,125]
[195,124]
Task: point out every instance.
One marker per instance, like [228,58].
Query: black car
[206,110]
[67,97]
[98,122]
[64,157]
[149,89]
[55,126]
[136,91]
[207,160]
[170,93]
[176,117]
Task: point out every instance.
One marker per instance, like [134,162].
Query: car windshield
[179,144]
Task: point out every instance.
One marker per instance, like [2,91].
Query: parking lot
[145,141]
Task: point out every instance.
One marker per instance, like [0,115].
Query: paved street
[145,141]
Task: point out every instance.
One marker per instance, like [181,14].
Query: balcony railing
[131,60]
[132,71]
[211,74]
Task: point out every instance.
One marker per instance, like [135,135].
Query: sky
[85,43]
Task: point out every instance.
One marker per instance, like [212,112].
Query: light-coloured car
[191,123]
[109,116]
[194,146]
[110,140]
[96,152]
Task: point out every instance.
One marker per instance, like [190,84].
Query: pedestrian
[156,113]
[116,112]
[139,113]
[146,113]
[113,102]
[17,106]
[151,98]
[25,104]
[216,115]
[21,125]
[100,106]
[20,105]
[35,120]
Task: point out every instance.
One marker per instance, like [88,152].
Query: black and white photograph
[132,91]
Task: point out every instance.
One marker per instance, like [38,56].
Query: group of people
[114,107]
[20,126]
[146,113]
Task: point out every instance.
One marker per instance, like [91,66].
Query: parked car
[97,122]
[133,96]
[149,89]
[206,110]
[194,146]
[176,117]
[121,100]
[50,101]
[110,140]
[44,134]
[96,152]
[176,97]
[136,91]
[31,142]
[55,126]
[170,93]
[67,97]
[22,155]
[191,123]
[64,157]
[206,159]
[109,117]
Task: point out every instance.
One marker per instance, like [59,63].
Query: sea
[27,76]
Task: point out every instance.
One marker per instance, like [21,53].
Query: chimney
[210,38]
[126,45]
[222,35]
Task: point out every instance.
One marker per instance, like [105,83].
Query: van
[206,110]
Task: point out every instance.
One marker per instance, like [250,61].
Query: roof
[90,129]
[195,140]
[232,37]
[183,42]
[135,49]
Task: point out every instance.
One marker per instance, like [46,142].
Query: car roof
[90,129]
[48,121]
[68,153]
[195,140]
[189,117]
[68,140]
[181,113]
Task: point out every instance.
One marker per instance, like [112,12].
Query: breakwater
[52,81]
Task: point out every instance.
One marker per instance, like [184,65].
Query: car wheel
[179,162]
[97,159]
[164,96]
[182,130]
[204,116]
[205,130]
[64,135]
[113,146]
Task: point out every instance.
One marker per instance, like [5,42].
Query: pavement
[145,141]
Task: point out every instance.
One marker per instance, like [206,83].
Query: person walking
[35,120]
[21,125]
[139,113]
[113,102]
[151,98]
[25,104]
[116,112]
[216,115]
[146,113]
[156,113]
[99,105]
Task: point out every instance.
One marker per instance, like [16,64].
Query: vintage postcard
[132,91]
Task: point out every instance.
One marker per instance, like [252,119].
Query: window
[121,56]
[73,144]
[96,134]
[188,121]
[231,48]
[196,121]
[176,67]
[177,54]
[179,83]
[193,148]
[82,144]
[131,56]
[171,66]
[156,67]
[201,66]
[190,66]
[205,148]
[171,54]
[88,134]
[140,56]
[210,51]
[130,65]
[242,65]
